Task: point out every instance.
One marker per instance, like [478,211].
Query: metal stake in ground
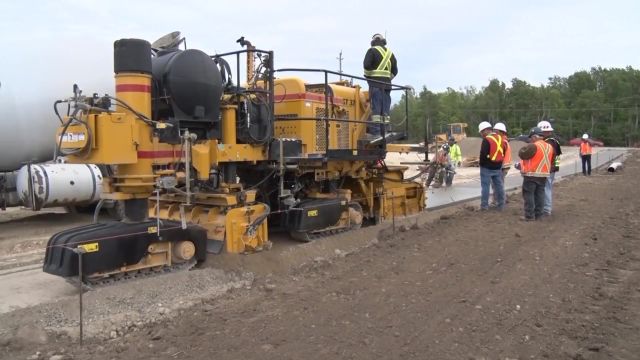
[393,213]
[80,250]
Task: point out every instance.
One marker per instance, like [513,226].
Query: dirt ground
[39,227]
[461,284]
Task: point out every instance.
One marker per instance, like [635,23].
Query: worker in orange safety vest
[501,129]
[440,168]
[490,160]
[550,138]
[535,171]
[585,155]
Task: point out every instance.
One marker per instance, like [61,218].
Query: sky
[47,46]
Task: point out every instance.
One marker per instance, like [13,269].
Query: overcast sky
[49,45]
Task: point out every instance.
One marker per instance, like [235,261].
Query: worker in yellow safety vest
[380,67]
[455,153]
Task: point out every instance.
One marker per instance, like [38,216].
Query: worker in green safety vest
[380,67]
[455,152]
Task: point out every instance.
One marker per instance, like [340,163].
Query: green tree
[604,102]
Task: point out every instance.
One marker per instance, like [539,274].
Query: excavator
[204,164]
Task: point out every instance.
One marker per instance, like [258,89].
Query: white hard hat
[484,125]
[545,125]
[500,126]
[585,136]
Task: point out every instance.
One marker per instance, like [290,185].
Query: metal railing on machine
[264,71]
[329,97]
[259,80]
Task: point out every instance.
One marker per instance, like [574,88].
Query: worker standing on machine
[455,152]
[380,67]
[490,160]
[550,139]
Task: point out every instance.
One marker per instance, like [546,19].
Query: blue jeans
[380,100]
[548,193]
[487,178]
[380,105]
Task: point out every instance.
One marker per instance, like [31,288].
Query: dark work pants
[586,164]
[533,195]
[380,99]
[448,179]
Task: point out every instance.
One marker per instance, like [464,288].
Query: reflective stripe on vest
[498,150]
[585,148]
[381,119]
[384,68]
[540,164]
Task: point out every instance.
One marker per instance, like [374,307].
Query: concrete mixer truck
[29,174]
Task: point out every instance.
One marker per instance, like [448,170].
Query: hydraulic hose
[259,220]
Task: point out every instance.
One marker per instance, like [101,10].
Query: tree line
[603,103]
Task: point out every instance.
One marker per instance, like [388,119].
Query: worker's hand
[517,165]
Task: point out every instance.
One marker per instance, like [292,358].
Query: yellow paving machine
[202,163]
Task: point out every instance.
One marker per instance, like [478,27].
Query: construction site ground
[453,283]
